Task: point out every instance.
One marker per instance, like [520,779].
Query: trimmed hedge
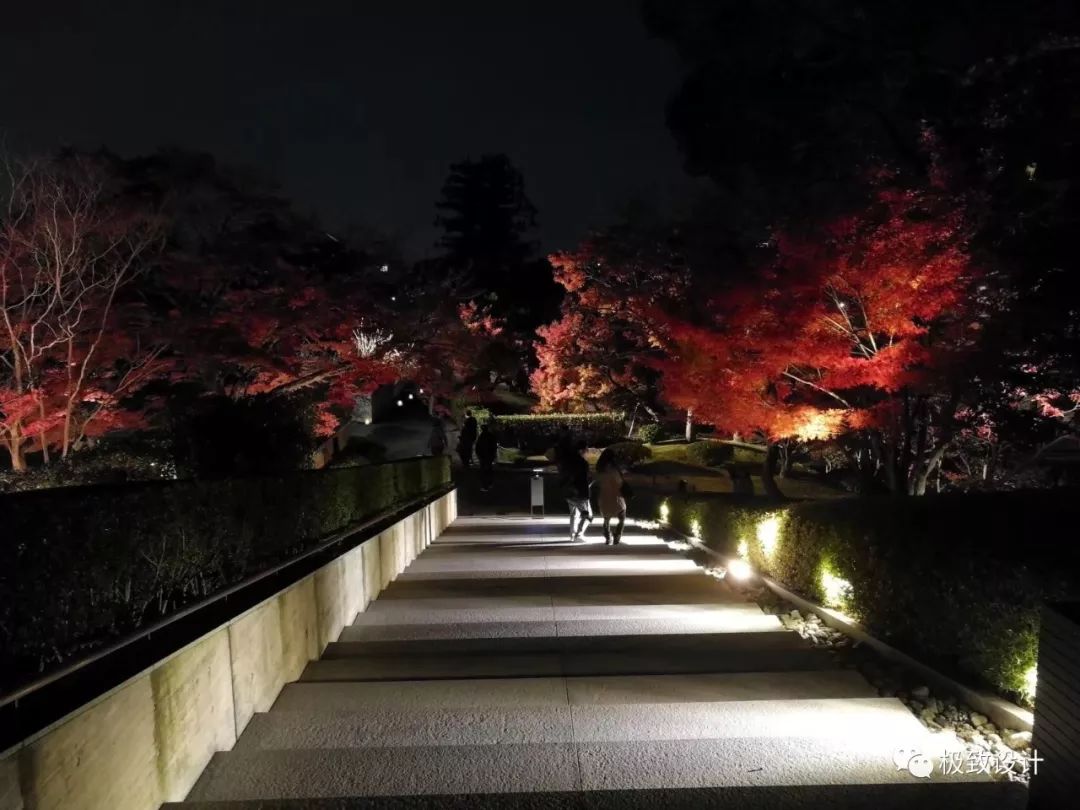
[957,581]
[650,432]
[535,433]
[80,566]
[709,453]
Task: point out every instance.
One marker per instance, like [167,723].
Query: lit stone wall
[148,740]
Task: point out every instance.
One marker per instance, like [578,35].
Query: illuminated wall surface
[147,741]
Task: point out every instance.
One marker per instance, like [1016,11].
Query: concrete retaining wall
[148,740]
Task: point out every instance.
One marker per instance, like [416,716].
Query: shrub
[359,450]
[627,454]
[82,565]
[650,433]
[709,453]
[955,580]
[535,433]
[216,436]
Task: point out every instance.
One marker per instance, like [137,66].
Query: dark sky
[358,108]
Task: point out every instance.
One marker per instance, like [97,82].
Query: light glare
[836,590]
[768,534]
[1031,680]
[740,569]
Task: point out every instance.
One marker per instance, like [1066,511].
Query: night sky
[358,108]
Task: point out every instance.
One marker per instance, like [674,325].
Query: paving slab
[396,726]
[674,585]
[718,686]
[360,696]
[594,722]
[388,771]
[660,644]
[458,610]
[729,762]
[408,632]
[438,666]
[922,795]
[847,718]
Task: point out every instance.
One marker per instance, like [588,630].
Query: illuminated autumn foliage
[842,332]
[70,347]
[601,352]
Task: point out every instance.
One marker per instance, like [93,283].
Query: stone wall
[148,740]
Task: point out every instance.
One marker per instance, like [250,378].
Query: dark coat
[487,448]
[574,477]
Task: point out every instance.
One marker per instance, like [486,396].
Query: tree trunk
[786,458]
[633,419]
[865,464]
[887,458]
[918,466]
[919,485]
[15,451]
[689,425]
[767,471]
[44,443]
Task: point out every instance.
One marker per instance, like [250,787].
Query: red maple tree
[844,332]
[600,354]
[72,343]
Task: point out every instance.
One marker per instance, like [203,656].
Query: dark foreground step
[543,692]
[921,795]
[633,662]
[677,585]
[657,644]
[845,759]
[596,722]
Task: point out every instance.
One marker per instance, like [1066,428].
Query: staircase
[509,668]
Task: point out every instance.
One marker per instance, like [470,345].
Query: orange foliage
[834,326]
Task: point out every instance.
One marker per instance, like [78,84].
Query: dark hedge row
[957,581]
[535,433]
[80,566]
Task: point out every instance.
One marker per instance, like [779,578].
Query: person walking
[437,440]
[612,488]
[563,449]
[487,449]
[467,439]
[574,479]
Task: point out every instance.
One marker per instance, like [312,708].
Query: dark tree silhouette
[486,218]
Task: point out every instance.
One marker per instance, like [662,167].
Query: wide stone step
[392,727]
[655,644]
[433,770]
[743,658]
[554,691]
[922,795]
[468,566]
[545,609]
[678,586]
[734,620]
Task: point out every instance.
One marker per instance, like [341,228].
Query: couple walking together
[612,490]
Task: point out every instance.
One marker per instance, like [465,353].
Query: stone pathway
[509,668]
